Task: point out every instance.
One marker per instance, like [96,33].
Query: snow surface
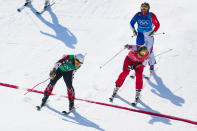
[30,44]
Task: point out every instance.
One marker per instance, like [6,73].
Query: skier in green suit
[64,67]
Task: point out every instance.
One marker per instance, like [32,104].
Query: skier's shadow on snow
[76,119]
[147,108]
[61,32]
[161,90]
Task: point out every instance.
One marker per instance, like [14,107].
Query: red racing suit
[133,59]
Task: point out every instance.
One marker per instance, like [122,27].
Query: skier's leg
[149,42]
[139,80]
[124,72]
[68,78]
[121,77]
[152,61]
[50,87]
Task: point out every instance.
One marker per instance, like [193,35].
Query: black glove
[134,33]
[126,46]
[151,33]
[131,67]
[52,73]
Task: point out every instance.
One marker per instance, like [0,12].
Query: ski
[145,76]
[151,74]
[44,9]
[132,76]
[41,105]
[148,77]
[111,99]
[135,102]
[38,108]
[23,6]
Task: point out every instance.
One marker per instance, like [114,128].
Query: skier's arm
[133,21]
[62,61]
[130,47]
[155,22]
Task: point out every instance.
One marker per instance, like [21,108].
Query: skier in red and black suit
[64,67]
[135,60]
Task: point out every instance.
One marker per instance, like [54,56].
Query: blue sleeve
[133,21]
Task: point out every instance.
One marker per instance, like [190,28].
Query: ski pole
[163,52]
[29,90]
[161,33]
[112,58]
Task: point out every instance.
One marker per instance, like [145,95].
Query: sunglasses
[143,52]
[77,62]
[144,8]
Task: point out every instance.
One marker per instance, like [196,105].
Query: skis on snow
[135,102]
[45,8]
[146,76]
[38,12]
[38,108]
[68,112]
[111,99]
[23,6]
[63,112]
[151,74]
[114,93]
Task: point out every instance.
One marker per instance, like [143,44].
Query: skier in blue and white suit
[146,21]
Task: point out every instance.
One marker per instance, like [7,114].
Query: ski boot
[137,97]
[27,2]
[44,100]
[71,108]
[151,69]
[46,4]
[114,93]
[47,93]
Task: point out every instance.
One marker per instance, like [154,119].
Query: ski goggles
[77,62]
[143,52]
[144,7]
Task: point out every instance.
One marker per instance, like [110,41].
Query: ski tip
[133,104]
[66,112]
[38,108]
[18,10]
[111,99]
[70,111]
[132,76]
[146,77]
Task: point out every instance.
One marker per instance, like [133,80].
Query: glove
[151,33]
[52,73]
[134,33]
[131,67]
[126,46]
